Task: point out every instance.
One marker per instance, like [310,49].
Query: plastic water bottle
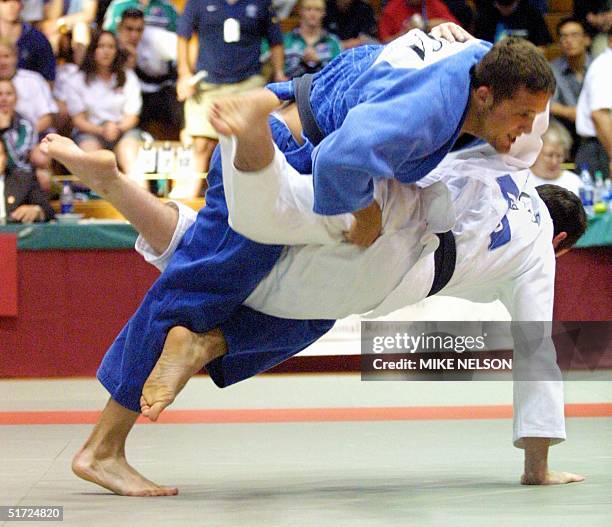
[586,190]
[599,194]
[608,196]
[67,199]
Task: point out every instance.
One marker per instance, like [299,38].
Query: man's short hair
[133,13]
[511,64]
[570,20]
[566,211]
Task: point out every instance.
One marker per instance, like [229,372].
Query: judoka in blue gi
[399,131]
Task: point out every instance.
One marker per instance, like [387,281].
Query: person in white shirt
[34,102]
[505,248]
[104,101]
[557,143]
[594,115]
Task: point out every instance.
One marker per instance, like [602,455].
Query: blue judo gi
[214,269]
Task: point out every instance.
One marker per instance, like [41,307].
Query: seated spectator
[309,47]
[21,198]
[594,115]
[596,15]
[151,52]
[18,134]
[105,101]
[569,70]
[74,16]
[353,21]
[400,16]
[157,13]
[557,144]
[34,103]
[34,99]
[35,52]
[496,19]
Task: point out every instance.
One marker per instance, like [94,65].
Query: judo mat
[301,450]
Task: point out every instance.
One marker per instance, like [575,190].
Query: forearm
[44,123]
[566,112]
[182,57]
[84,125]
[603,125]
[128,122]
[277,59]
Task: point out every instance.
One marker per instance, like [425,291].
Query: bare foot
[185,353]
[236,115]
[95,169]
[115,474]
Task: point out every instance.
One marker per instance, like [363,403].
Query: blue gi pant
[213,271]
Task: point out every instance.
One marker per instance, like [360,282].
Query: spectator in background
[557,143]
[105,102]
[353,21]
[569,70]
[496,19]
[594,115]
[400,16]
[73,16]
[309,47]
[230,40]
[34,103]
[155,70]
[35,52]
[596,16]
[18,134]
[157,13]
[21,198]
[462,11]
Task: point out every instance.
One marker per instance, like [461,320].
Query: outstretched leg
[98,170]
[246,118]
[102,459]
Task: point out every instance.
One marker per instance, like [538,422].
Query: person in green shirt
[158,13]
[309,47]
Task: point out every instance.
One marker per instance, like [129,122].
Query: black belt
[445,259]
[301,91]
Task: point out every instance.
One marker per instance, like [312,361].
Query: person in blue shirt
[493,94]
[35,52]
[230,35]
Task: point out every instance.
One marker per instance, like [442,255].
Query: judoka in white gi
[509,255]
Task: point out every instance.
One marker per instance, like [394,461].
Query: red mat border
[296,415]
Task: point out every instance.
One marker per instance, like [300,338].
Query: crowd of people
[103,72]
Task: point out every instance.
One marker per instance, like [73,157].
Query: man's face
[312,12]
[8,63]
[8,97]
[10,10]
[130,31]
[574,41]
[503,121]
[506,8]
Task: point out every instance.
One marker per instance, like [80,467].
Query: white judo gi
[503,234]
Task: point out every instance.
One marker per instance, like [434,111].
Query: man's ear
[557,241]
[484,96]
